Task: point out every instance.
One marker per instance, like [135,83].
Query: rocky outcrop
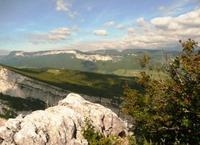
[14,84]
[62,124]
[17,85]
[2,122]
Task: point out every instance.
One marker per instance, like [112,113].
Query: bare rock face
[62,124]
[15,84]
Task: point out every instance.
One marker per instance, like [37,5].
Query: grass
[136,73]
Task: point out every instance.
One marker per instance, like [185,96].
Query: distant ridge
[103,61]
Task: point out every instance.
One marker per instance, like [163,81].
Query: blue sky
[32,25]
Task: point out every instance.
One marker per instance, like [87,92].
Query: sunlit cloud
[131,30]
[140,21]
[184,21]
[120,26]
[59,34]
[100,32]
[114,25]
[55,35]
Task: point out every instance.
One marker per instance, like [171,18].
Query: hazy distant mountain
[74,54]
[3,52]
[106,61]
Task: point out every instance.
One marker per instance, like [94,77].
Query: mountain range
[103,61]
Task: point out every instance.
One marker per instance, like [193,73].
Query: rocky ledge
[61,124]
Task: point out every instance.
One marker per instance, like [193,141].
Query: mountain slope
[51,85]
[91,84]
[104,61]
[14,84]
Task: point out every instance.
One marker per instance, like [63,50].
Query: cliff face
[17,85]
[61,124]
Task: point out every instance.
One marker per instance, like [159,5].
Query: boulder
[61,124]
[2,122]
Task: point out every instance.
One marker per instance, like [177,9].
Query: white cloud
[100,32]
[131,30]
[140,21]
[159,32]
[61,5]
[161,21]
[113,24]
[64,6]
[51,36]
[120,26]
[188,20]
[59,34]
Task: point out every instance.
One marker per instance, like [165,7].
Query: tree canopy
[168,110]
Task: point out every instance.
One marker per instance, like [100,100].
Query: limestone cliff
[61,124]
[14,84]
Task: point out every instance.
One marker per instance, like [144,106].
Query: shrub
[168,110]
[7,113]
[96,138]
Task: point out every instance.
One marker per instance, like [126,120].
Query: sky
[37,25]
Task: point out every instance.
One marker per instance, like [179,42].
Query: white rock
[62,124]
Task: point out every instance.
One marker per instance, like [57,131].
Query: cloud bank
[156,33]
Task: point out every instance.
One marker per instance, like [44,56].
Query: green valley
[92,84]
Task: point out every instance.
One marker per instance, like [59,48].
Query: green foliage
[22,104]
[144,61]
[92,84]
[96,138]
[16,104]
[90,134]
[8,113]
[147,143]
[131,140]
[168,111]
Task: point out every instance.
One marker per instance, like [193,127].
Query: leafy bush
[168,111]
[8,113]
[96,138]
